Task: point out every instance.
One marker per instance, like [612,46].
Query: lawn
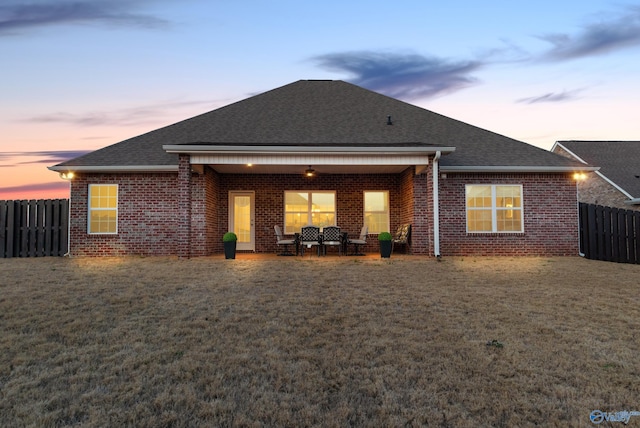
[292,342]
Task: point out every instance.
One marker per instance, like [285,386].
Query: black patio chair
[331,237]
[309,237]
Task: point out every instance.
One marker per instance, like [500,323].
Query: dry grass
[317,342]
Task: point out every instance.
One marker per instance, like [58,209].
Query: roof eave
[114,168]
[527,169]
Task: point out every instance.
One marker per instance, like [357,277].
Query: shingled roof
[317,113]
[618,161]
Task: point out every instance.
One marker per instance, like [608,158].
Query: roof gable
[618,161]
[317,113]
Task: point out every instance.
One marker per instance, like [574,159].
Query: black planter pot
[230,250]
[385,249]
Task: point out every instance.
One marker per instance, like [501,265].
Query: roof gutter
[633,201]
[436,204]
[114,168]
[325,150]
[528,169]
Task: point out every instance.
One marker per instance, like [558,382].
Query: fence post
[582,228]
[593,237]
[636,234]
[622,239]
[64,226]
[4,227]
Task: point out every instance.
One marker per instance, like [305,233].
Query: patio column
[183,238]
[422,227]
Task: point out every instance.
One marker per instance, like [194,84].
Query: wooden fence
[609,234]
[34,228]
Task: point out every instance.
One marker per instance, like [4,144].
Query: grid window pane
[377,222]
[479,196]
[494,208]
[103,208]
[376,211]
[303,208]
[479,221]
[375,201]
[323,219]
[323,202]
[295,201]
[508,196]
[509,220]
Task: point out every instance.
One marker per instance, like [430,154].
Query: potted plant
[229,239]
[385,244]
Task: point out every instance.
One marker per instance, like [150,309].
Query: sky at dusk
[79,75]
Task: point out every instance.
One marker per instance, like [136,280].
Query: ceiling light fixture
[310,172]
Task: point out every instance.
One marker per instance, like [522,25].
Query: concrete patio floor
[311,255]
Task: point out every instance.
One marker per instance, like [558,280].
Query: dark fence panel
[609,234]
[34,228]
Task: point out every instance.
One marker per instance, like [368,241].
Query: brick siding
[186,213]
[596,190]
[269,201]
[147,216]
[550,217]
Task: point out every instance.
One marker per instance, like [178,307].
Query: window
[103,208]
[376,211]
[494,208]
[303,208]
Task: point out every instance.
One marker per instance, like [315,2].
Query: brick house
[617,181]
[372,160]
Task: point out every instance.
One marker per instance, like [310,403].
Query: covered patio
[249,189]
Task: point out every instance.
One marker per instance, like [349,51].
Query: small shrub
[384,236]
[229,237]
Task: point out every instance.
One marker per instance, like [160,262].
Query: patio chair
[331,237]
[357,243]
[309,237]
[284,242]
[403,233]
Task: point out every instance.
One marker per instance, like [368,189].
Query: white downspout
[580,253]
[436,211]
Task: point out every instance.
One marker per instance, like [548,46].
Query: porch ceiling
[323,162]
[299,169]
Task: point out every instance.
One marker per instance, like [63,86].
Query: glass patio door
[241,219]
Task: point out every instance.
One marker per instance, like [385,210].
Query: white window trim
[494,217]
[309,203]
[89,209]
[388,211]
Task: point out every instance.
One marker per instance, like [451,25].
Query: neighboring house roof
[619,161]
[325,115]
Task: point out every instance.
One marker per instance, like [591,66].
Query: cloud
[404,76]
[596,38]
[135,116]
[39,157]
[17,15]
[54,185]
[552,97]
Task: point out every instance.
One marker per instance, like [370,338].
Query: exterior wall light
[67,175]
[579,176]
